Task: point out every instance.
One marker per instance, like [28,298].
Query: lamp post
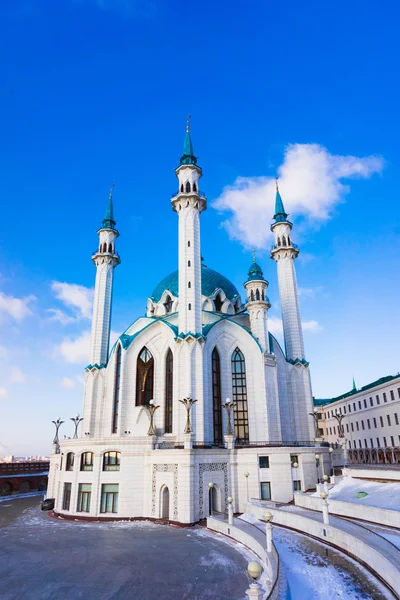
[325,510]
[247,485]
[229,406]
[295,467]
[230,510]
[317,465]
[254,569]
[331,455]
[325,480]
[57,424]
[268,530]
[188,403]
[76,421]
[314,415]
[151,409]
[210,495]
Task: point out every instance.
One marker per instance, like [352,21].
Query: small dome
[210,281]
[255,273]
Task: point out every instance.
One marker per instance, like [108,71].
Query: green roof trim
[352,392]
[210,281]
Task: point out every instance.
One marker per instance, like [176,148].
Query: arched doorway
[164,503]
[214,503]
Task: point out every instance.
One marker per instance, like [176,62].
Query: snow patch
[382,495]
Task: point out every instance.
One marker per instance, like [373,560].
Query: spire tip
[188,122]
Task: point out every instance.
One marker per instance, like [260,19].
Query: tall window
[239,389]
[87,461]
[168,304]
[266,490]
[111,461]
[117,383]
[109,498]
[169,382]
[84,493]
[69,466]
[144,378]
[216,390]
[218,303]
[66,496]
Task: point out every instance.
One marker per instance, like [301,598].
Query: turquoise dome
[210,281]
[255,273]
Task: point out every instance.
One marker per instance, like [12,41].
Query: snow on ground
[382,495]
[392,535]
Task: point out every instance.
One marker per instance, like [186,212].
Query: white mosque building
[155,439]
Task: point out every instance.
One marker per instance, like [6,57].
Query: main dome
[210,281]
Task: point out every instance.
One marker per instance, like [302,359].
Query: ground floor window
[297,485]
[109,498]
[66,496]
[263,462]
[266,490]
[84,493]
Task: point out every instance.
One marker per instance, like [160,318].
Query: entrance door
[165,503]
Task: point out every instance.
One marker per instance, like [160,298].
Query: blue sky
[96,91]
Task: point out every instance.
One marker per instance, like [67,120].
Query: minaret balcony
[197,193]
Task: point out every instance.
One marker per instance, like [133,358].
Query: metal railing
[305,443]
[179,193]
[169,446]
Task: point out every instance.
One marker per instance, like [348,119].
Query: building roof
[109,221]
[210,281]
[255,273]
[188,157]
[280,214]
[354,391]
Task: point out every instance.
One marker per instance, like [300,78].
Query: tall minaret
[189,202]
[284,252]
[105,260]
[258,304]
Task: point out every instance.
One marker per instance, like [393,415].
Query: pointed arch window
[182,188]
[262,295]
[104,247]
[218,303]
[251,296]
[169,386]
[194,187]
[110,248]
[168,304]
[283,241]
[257,294]
[279,241]
[216,391]
[188,187]
[239,395]
[144,377]
[117,383]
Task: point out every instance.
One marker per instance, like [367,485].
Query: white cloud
[17,308]
[312,326]
[3,393]
[60,316]
[76,351]
[16,375]
[66,382]
[310,185]
[275,325]
[77,297]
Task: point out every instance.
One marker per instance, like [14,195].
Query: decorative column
[258,304]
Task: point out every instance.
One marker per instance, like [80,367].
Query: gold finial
[111,190]
[188,122]
[276,183]
[254,256]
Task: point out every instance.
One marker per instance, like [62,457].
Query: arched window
[188,244]
[110,248]
[278,242]
[168,304]
[251,296]
[189,285]
[111,461]
[283,241]
[289,242]
[216,391]
[182,188]
[169,382]
[218,303]
[188,188]
[239,396]
[189,306]
[188,263]
[194,187]
[257,294]
[69,465]
[144,377]
[262,295]
[104,247]
[117,383]
[87,461]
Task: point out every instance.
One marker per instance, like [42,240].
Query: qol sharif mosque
[159,438]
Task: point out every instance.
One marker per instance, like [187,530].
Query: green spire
[255,272]
[280,214]
[354,389]
[108,220]
[188,157]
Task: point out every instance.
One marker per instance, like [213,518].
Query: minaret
[105,260]
[189,202]
[284,252]
[258,304]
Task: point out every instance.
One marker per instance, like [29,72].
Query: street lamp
[57,424]
[76,422]
[230,510]
[254,569]
[246,474]
[317,465]
[314,415]
[295,466]
[151,409]
[210,495]
[325,480]
[188,403]
[331,455]
[268,530]
[229,406]
[325,510]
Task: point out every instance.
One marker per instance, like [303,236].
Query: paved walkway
[373,539]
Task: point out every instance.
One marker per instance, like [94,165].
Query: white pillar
[230,511]
[268,531]
[325,512]
[254,592]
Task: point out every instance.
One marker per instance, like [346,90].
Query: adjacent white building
[198,340]
[367,421]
